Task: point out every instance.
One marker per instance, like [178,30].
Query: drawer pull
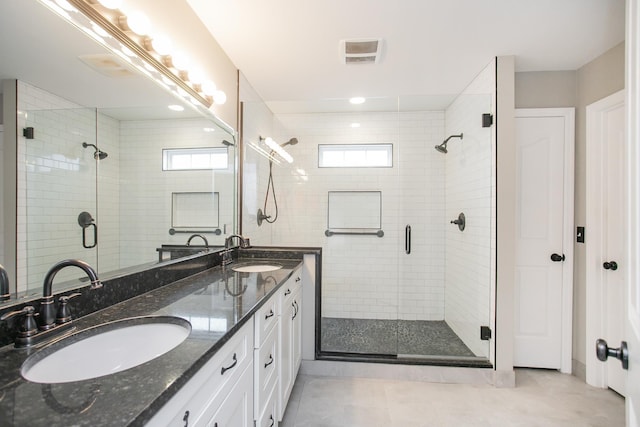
[295,309]
[269,315]
[272,421]
[186,418]
[235,362]
[288,292]
[270,361]
[298,279]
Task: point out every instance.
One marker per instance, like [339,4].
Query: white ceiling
[289,49]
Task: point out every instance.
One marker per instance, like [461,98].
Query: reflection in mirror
[94,147]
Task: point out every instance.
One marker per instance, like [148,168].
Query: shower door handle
[85,220]
[95,236]
[407,239]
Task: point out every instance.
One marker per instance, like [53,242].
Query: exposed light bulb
[138,23]
[180,61]
[219,97]
[196,76]
[111,4]
[209,87]
[162,45]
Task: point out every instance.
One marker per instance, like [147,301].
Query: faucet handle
[28,326]
[64,314]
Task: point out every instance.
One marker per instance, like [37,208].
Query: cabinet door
[237,408]
[296,335]
[286,361]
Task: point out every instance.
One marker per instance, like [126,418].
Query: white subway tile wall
[145,195]
[448,274]
[133,211]
[360,273]
[49,226]
[469,188]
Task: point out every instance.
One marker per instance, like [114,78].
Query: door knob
[610,265]
[557,258]
[603,351]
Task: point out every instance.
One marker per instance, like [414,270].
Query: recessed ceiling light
[355,125]
[357,100]
[176,107]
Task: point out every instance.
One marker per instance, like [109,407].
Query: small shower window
[355,155]
[182,159]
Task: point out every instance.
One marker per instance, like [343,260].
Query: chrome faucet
[226,255]
[47,311]
[206,243]
[4,284]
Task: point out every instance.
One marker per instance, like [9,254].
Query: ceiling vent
[108,64]
[361,51]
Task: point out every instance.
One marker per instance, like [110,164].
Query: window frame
[354,147]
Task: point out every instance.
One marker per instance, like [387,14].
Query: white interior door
[632,321]
[606,232]
[544,249]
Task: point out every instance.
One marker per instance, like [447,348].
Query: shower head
[442,148]
[98,155]
[227,143]
[292,141]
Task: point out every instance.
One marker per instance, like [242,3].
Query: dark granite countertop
[131,397]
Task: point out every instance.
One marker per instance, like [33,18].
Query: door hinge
[485,333]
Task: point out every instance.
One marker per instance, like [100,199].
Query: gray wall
[595,80]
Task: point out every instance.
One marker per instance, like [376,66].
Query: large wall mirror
[91,182]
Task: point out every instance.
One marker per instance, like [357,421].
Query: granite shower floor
[408,338]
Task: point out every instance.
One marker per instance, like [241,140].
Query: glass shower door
[58,218]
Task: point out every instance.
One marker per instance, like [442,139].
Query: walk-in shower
[275,149]
[421,292]
[443,146]
[98,154]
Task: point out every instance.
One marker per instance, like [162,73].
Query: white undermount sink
[256,268]
[106,349]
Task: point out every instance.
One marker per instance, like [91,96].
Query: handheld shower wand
[262,213]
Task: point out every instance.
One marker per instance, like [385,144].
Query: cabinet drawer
[215,378]
[266,365]
[289,288]
[265,319]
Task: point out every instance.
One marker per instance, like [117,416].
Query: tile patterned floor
[374,336]
[541,398]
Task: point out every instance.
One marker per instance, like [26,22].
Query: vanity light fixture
[127,33]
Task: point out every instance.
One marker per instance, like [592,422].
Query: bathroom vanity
[237,365]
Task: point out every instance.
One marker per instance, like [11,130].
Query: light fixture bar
[114,31]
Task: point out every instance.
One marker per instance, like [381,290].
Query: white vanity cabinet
[249,380]
[220,394]
[266,362]
[290,332]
